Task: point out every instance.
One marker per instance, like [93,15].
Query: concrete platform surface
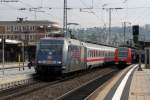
[16,71]
[14,77]
[136,86]
[140,85]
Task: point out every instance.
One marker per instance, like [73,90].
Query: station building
[26,31]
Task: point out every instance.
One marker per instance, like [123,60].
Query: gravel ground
[56,90]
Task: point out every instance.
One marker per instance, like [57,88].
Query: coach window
[93,53]
[105,54]
[99,53]
[90,54]
[96,53]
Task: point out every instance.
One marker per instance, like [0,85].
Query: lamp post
[3,51]
[65,19]
[23,51]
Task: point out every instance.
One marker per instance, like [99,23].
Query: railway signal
[135,31]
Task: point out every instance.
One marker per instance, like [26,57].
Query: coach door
[82,57]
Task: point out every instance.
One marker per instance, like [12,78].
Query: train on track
[59,55]
[125,56]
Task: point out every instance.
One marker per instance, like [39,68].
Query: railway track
[86,89]
[53,89]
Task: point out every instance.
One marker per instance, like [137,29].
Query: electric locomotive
[57,55]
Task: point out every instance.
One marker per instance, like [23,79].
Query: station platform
[14,77]
[129,84]
[9,65]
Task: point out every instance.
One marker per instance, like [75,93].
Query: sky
[133,12]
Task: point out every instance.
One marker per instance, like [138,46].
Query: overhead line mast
[65,19]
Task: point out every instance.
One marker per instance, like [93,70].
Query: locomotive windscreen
[123,52]
[50,51]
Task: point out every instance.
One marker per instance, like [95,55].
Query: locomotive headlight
[39,61]
[59,62]
[50,53]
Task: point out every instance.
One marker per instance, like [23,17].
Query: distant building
[28,30]
[147,26]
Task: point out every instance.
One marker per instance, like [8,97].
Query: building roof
[29,22]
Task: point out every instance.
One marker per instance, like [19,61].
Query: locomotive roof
[88,45]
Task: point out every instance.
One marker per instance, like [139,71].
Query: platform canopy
[11,41]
